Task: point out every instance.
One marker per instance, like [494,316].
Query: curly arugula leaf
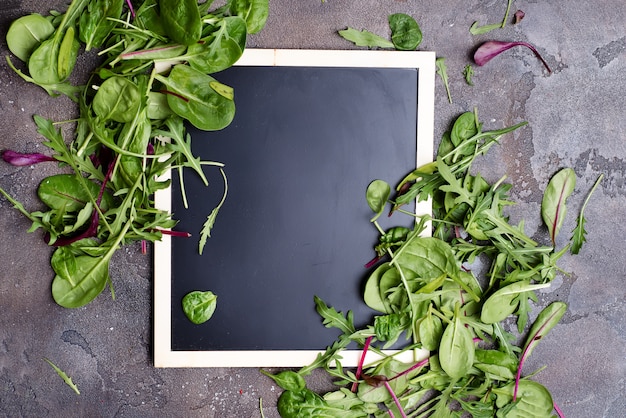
[64,376]
[579,233]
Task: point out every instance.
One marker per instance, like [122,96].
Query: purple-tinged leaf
[491,49]
[519,15]
[19,159]
[546,320]
[553,208]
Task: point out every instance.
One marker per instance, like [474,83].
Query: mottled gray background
[576,117]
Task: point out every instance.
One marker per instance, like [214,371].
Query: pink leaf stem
[558,411]
[132,10]
[395,399]
[417,365]
[359,368]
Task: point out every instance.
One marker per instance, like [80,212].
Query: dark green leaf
[288,380]
[195,100]
[95,23]
[199,306]
[221,49]
[181,20]
[377,195]
[254,12]
[405,32]
[117,99]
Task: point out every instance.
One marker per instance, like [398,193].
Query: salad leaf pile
[430,295]
[154,77]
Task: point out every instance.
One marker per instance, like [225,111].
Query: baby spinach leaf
[64,376]
[195,100]
[504,301]
[221,49]
[89,278]
[377,195]
[199,306]
[534,401]
[372,294]
[579,232]
[464,128]
[430,332]
[254,12]
[66,193]
[117,99]
[288,380]
[553,207]
[27,33]
[365,38]
[406,34]
[96,21]
[456,350]
[181,20]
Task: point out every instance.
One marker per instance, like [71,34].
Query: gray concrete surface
[577,118]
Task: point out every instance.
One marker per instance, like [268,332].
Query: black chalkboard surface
[304,144]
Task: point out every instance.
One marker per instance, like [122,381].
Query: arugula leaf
[468,73]
[365,38]
[579,232]
[442,71]
[64,376]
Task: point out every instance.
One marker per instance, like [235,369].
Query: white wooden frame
[164,356]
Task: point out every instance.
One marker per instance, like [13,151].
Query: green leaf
[117,99]
[64,376]
[95,23]
[456,350]
[372,293]
[181,20]
[430,332]
[377,195]
[534,401]
[334,319]
[221,49]
[195,100]
[199,306]
[579,232]
[442,71]
[480,30]
[553,207]
[254,12]
[468,73]
[89,278]
[546,320]
[288,380]
[27,33]
[406,34]
[365,38]
[505,301]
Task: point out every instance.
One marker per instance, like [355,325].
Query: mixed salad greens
[431,293]
[154,76]
[428,292]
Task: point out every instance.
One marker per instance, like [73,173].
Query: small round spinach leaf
[199,306]
[117,99]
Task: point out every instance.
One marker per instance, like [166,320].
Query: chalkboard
[307,139]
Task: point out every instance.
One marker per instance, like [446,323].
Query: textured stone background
[576,117]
